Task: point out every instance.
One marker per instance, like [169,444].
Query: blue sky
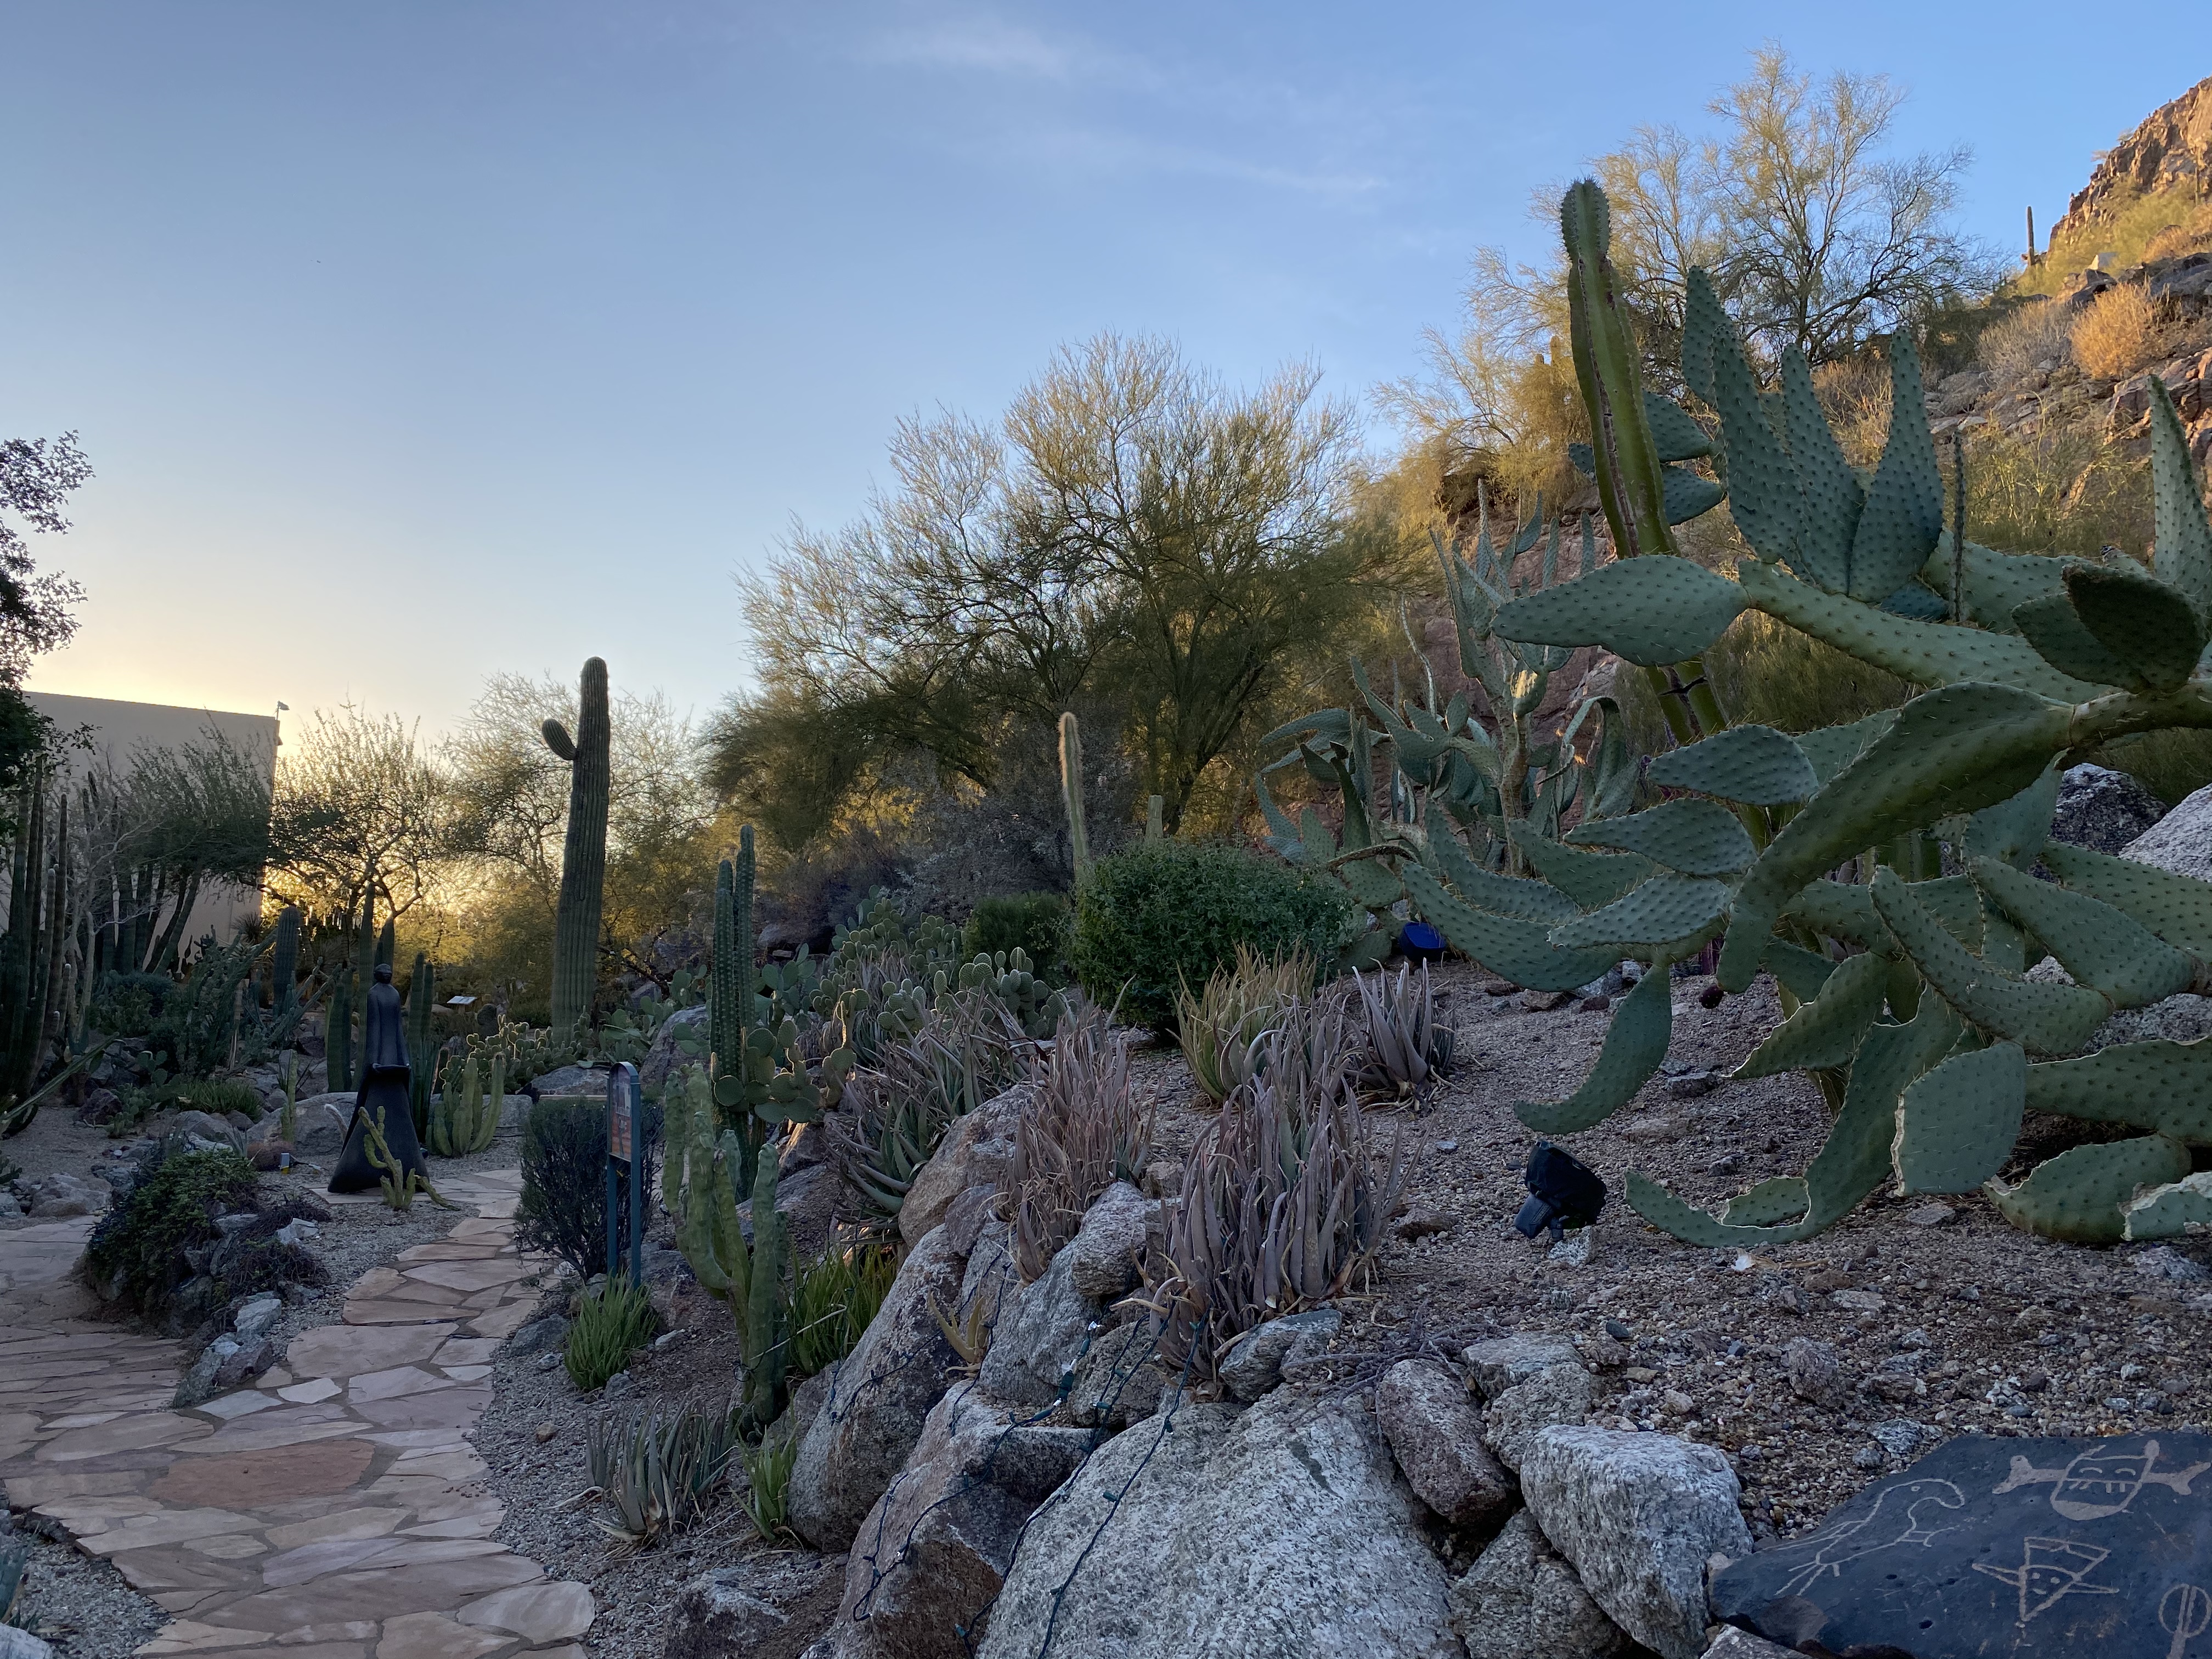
[413,341]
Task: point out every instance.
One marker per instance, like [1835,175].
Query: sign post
[625,1145]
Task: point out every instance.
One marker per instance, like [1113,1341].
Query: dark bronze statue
[384,1077]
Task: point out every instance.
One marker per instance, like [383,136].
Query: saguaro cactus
[1071,789]
[421,990]
[337,1031]
[583,855]
[284,961]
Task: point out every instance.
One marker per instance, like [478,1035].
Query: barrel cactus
[1907,996]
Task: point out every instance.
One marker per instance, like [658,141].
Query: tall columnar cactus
[338,1032]
[32,977]
[1908,993]
[1071,795]
[364,971]
[584,854]
[284,961]
[465,1117]
[422,991]
[758,1075]
[700,1185]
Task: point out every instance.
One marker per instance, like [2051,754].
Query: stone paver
[335,1510]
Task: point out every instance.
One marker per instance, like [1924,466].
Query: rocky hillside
[2039,373]
[2171,151]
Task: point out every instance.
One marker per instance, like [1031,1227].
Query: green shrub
[1033,922]
[563,1208]
[127,1005]
[136,1256]
[611,1323]
[219,1097]
[834,1298]
[1162,915]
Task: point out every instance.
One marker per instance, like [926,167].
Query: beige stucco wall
[119,730]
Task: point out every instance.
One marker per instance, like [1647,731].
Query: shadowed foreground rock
[1282,1530]
[930,1559]
[879,1397]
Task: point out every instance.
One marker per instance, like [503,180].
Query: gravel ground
[1942,1318]
[80,1603]
[695,1359]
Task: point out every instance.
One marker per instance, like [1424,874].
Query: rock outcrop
[879,1396]
[929,1560]
[1521,1599]
[1282,1529]
[2170,150]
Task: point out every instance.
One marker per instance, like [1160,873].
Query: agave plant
[656,1473]
[1409,1047]
[1085,1131]
[1220,1028]
[1906,996]
[964,1051]
[1283,1203]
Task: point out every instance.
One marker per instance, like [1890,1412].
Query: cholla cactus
[1907,994]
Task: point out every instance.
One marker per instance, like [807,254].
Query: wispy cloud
[989,45]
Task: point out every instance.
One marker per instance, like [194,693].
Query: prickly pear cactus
[1907,996]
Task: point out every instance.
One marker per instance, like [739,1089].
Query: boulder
[928,1562]
[1505,1362]
[1117,1382]
[2102,809]
[2089,1546]
[665,1056]
[1435,1433]
[52,1196]
[571,1080]
[1639,1515]
[1108,1248]
[320,1124]
[879,1397]
[252,1317]
[976,1150]
[1256,1362]
[17,1643]
[1520,1600]
[2181,841]
[1556,1395]
[99,1105]
[1281,1529]
[206,1127]
[772,1604]
[1041,1335]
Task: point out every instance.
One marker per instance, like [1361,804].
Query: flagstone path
[333,1511]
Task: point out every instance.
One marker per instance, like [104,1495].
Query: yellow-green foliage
[611,1323]
[834,1296]
[2117,334]
[2170,223]
[2063,491]
[1218,1026]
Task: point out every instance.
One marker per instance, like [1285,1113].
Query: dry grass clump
[2117,334]
[2037,333]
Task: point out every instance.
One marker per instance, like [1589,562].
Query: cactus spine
[284,961]
[584,854]
[1070,790]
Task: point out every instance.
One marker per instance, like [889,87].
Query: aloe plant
[1906,995]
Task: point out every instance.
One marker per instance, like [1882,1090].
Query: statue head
[384,973]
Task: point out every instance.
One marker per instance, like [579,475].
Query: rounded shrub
[136,1257]
[1164,913]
